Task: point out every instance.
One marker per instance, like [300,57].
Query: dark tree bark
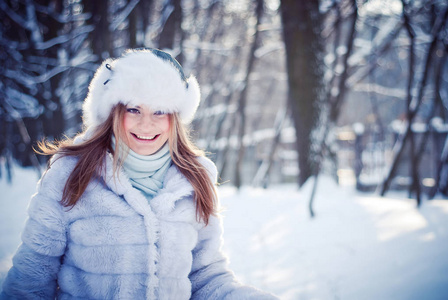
[415,186]
[100,38]
[339,80]
[133,29]
[138,23]
[301,29]
[172,29]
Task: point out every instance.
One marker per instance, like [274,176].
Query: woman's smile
[145,138]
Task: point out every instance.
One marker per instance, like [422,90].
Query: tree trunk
[243,98]
[101,36]
[334,102]
[301,29]
[133,27]
[415,186]
[172,28]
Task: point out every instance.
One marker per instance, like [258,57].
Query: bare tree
[416,101]
[100,38]
[243,96]
[30,73]
[172,33]
[301,28]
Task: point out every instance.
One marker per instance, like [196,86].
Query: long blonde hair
[92,152]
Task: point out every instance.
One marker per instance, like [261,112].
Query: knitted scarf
[146,172]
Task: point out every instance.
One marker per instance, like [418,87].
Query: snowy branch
[382,39]
[23,105]
[30,81]
[60,17]
[15,17]
[269,48]
[64,38]
[380,90]
[207,46]
[123,15]
[13,45]
[36,35]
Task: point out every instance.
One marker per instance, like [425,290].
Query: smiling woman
[128,208]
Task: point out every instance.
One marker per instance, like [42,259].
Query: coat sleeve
[210,277]
[37,260]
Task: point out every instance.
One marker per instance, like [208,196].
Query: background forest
[290,88]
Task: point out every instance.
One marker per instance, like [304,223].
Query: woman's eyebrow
[133,106]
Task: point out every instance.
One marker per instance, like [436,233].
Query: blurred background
[290,89]
[346,99]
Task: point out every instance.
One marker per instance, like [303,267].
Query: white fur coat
[115,245]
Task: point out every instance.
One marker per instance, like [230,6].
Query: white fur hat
[145,76]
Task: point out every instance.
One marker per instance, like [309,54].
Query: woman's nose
[146,121]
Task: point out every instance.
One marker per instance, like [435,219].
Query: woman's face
[146,130]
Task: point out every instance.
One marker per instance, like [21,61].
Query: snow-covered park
[359,246]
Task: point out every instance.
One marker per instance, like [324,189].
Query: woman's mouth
[146,137]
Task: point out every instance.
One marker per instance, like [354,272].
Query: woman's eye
[159,113]
[133,110]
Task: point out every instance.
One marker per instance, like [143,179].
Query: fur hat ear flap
[193,98]
[94,110]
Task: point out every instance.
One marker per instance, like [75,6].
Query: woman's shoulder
[62,163]
[210,166]
[58,170]
[45,203]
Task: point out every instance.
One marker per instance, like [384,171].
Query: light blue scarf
[146,172]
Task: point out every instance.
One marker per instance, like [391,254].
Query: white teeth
[146,137]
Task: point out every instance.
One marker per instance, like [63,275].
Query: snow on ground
[13,204]
[359,246]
